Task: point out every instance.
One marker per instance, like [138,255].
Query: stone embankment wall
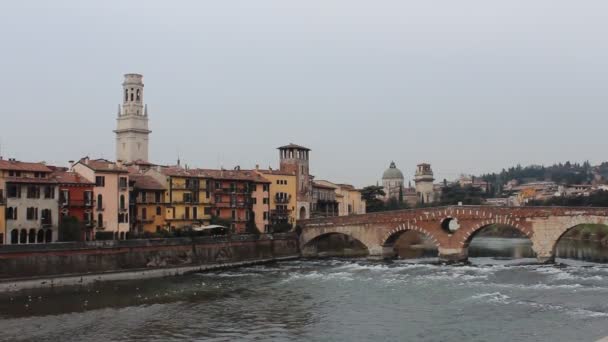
[22,261]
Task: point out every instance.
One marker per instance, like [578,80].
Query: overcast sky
[468,86]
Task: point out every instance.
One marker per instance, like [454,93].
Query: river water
[493,299]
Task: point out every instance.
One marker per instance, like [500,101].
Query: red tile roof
[276,172]
[244,175]
[293,146]
[15,165]
[30,180]
[102,165]
[323,186]
[145,182]
[73,178]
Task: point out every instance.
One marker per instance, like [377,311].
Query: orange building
[241,197]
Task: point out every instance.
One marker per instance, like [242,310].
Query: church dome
[392,172]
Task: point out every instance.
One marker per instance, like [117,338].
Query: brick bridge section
[378,231]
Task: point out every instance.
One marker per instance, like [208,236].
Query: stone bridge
[452,228]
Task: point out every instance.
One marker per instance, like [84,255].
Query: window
[100,220]
[64,197]
[265,187]
[46,217]
[122,202]
[137,95]
[33,191]
[100,181]
[122,218]
[49,192]
[144,213]
[13,191]
[126,95]
[206,194]
[218,185]
[265,201]
[265,215]
[31,213]
[195,213]
[278,181]
[88,198]
[217,213]
[158,197]
[131,94]
[158,211]
[187,197]
[218,199]
[99,202]
[187,215]
[143,197]
[207,211]
[246,215]
[122,182]
[234,214]
[232,187]
[11,213]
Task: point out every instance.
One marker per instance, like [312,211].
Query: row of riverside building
[132,196]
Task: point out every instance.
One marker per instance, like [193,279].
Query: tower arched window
[131,94]
[137,96]
[126,95]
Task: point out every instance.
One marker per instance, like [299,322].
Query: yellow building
[148,204]
[283,196]
[187,199]
[349,199]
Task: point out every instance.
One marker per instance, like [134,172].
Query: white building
[132,131]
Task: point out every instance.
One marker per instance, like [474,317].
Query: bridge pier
[381,253]
[546,259]
[453,255]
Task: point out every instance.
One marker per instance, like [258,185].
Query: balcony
[76,203]
[233,204]
[145,220]
[122,210]
[46,222]
[280,213]
[282,199]
[101,225]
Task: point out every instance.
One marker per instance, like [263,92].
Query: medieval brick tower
[295,159]
[132,131]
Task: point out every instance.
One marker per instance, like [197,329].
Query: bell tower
[295,159]
[132,131]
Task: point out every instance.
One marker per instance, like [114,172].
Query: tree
[373,195]
[71,229]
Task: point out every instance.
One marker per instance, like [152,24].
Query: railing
[46,221]
[76,203]
[232,204]
[282,200]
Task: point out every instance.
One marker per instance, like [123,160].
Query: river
[493,299]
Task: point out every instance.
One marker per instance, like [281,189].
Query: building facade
[31,211]
[283,196]
[132,133]
[424,184]
[76,200]
[392,182]
[296,159]
[241,197]
[187,196]
[324,202]
[147,204]
[111,194]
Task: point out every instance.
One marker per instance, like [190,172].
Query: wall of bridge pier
[378,231]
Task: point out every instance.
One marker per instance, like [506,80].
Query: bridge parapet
[543,225]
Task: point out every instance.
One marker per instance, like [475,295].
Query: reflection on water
[325,300]
[514,248]
[501,247]
[582,250]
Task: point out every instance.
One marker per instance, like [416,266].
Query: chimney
[119,163]
[71,163]
[257,166]
[86,160]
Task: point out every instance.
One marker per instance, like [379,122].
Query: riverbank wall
[164,256]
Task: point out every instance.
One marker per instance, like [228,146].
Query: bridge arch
[334,244]
[391,237]
[469,233]
[573,223]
